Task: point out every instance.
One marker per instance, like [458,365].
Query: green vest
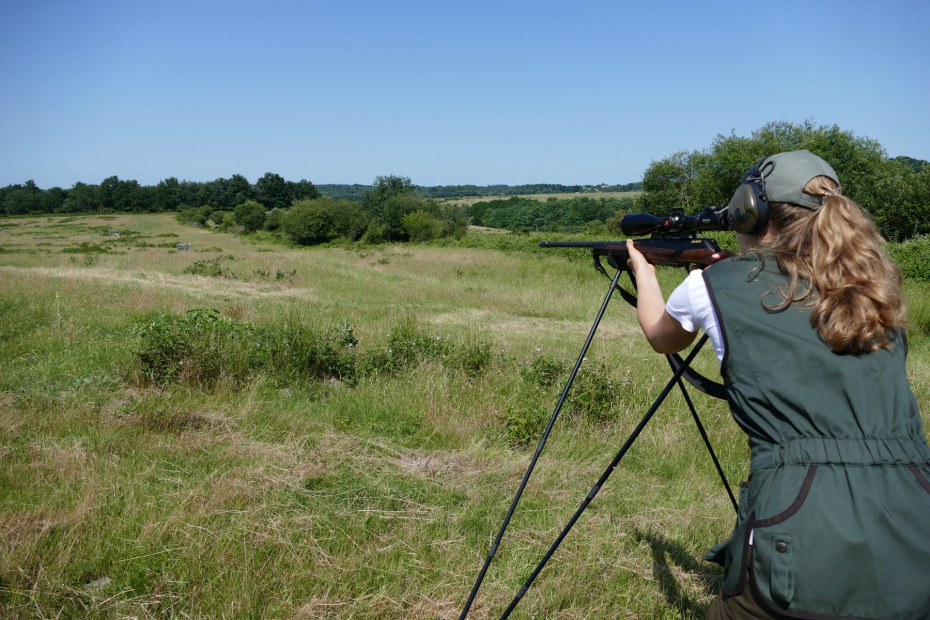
[835,519]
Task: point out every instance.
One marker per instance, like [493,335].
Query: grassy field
[370,483]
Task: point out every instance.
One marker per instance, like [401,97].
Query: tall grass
[339,443]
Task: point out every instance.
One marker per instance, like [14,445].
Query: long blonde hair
[836,264]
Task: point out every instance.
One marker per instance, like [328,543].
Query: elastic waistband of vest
[830,451]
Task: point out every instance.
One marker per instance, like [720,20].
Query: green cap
[786,174]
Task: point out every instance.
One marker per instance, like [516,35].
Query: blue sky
[442,92]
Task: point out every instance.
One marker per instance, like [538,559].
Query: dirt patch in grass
[197,285]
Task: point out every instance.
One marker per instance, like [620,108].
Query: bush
[202,348]
[250,215]
[408,346]
[211,267]
[543,371]
[912,257]
[273,219]
[218,217]
[316,221]
[422,226]
[524,424]
[918,309]
[374,233]
[595,393]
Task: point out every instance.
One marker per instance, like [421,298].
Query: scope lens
[636,224]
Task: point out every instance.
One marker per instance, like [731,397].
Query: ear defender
[749,208]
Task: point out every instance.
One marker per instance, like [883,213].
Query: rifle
[674,241]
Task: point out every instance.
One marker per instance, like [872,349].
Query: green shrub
[250,215]
[918,308]
[201,348]
[273,219]
[374,234]
[297,351]
[422,226]
[408,346]
[595,392]
[543,371]
[219,217]
[594,395]
[87,248]
[524,424]
[473,358]
[212,267]
[913,257]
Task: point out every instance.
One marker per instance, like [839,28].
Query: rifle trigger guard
[598,265]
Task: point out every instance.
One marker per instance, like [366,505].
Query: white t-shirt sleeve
[690,305]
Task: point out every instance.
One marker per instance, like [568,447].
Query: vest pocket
[774,552]
[795,505]
[782,574]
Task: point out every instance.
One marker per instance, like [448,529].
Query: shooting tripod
[680,369]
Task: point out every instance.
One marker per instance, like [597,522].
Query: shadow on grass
[668,554]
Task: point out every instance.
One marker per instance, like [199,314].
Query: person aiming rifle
[808,327]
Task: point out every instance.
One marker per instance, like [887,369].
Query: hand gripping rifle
[673,242]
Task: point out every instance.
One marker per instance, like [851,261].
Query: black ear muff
[749,207]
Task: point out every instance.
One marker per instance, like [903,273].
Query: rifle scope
[711,218]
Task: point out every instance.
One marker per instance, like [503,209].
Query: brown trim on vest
[747,558]
[920,477]
[751,524]
[795,505]
[771,606]
[778,612]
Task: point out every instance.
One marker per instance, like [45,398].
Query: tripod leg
[542,443]
[704,436]
[600,482]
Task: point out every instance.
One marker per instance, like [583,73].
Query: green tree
[273,192]
[309,222]
[107,193]
[390,199]
[422,226]
[21,199]
[273,219]
[903,209]
[303,190]
[82,198]
[168,195]
[250,215]
[53,200]
[694,180]
[239,190]
[670,183]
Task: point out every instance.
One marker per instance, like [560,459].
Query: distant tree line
[465,191]
[357,192]
[115,195]
[896,191]
[392,210]
[553,214]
